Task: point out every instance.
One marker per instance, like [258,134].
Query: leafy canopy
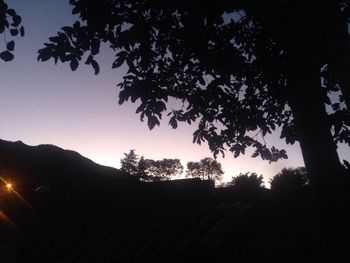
[149,169]
[10,27]
[290,180]
[129,163]
[206,169]
[225,62]
[246,181]
[159,170]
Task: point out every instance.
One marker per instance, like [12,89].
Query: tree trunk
[306,99]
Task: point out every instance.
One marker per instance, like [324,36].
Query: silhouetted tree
[238,66]
[206,169]
[10,26]
[170,167]
[149,169]
[247,181]
[194,170]
[241,68]
[159,170]
[129,164]
[142,169]
[246,187]
[290,181]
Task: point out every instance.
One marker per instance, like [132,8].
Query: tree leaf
[74,64]
[44,54]
[173,122]
[21,31]
[6,56]
[95,46]
[255,154]
[10,45]
[75,10]
[16,20]
[152,122]
[67,29]
[14,32]
[283,154]
[55,39]
[89,59]
[11,12]
[119,60]
[95,66]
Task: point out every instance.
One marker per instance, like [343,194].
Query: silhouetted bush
[290,181]
[246,187]
[247,181]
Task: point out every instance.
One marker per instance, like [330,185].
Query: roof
[203,225]
[171,234]
[178,221]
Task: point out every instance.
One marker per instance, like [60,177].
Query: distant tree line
[149,170]
[206,169]
[287,181]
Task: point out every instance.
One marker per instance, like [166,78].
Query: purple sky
[41,103]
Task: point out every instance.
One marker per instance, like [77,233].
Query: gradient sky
[41,103]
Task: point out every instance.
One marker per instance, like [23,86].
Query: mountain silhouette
[69,197]
[55,194]
[48,168]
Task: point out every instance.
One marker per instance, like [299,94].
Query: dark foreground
[183,221]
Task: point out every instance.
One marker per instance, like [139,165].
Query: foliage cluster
[247,181]
[206,169]
[149,169]
[166,169]
[10,27]
[290,180]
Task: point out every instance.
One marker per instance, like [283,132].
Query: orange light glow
[9,186]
